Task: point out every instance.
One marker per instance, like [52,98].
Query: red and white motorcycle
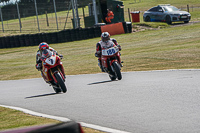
[111,62]
[53,71]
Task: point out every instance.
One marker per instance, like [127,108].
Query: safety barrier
[61,36]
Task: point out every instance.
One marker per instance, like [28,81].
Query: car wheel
[147,19]
[168,19]
[186,21]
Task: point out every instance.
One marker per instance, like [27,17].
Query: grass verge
[16,119]
[168,48]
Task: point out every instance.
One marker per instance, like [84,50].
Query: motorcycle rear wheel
[61,82]
[117,70]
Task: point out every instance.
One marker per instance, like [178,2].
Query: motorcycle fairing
[51,60]
[50,63]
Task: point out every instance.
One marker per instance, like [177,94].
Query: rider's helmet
[43,46]
[46,53]
[105,36]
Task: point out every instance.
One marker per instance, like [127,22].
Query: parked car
[166,13]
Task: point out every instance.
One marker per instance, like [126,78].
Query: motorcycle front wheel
[57,90]
[61,82]
[117,70]
[112,77]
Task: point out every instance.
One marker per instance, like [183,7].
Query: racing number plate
[110,51]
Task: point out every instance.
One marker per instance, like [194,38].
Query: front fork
[57,71]
[112,65]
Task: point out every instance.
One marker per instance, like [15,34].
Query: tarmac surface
[142,102]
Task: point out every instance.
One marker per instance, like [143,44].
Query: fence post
[37,15]
[1,18]
[67,14]
[55,13]
[129,15]
[20,25]
[47,18]
[188,8]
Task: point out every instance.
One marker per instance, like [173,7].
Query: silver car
[166,13]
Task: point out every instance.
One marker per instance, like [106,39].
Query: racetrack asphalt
[163,101]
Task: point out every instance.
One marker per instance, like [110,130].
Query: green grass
[11,119]
[167,48]
[146,4]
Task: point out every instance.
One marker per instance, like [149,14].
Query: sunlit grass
[11,119]
[168,48]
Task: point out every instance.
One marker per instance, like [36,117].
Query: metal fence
[33,17]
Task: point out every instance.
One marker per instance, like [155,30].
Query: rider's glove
[61,56]
[38,66]
[97,54]
[119,47]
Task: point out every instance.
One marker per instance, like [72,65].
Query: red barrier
[113,29]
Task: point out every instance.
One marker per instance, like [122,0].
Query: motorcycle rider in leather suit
[105,42]
[43,46]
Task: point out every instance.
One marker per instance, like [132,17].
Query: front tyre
[57,89]
[112,77]
[117,70]
[60,82]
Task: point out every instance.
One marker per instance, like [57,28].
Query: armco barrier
[67,36]
[1,44]
[64,35]
[48,38]
[77,32]
[91,32]
[36,39]
[61,36]
[17,43]
[21,40]
[54,37]
[12,41]
[73,35]
[85,33]
[81,34]
[97,31]
[44,37]
[27,40]
[7,39]
[40,37]
[31,39]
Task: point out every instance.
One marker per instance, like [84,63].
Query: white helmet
[105,36]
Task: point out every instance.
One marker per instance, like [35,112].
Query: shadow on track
[43,95]
[101,82]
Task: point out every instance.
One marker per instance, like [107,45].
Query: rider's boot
[101,67]
[121,63]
